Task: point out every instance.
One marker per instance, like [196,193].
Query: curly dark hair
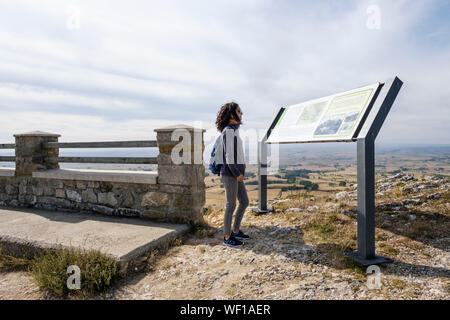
[225,113]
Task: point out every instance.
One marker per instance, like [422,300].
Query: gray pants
[233,190]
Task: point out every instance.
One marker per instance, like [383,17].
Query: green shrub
[291,175]
[306,183]
[291,188]
[309,185]
[98,271]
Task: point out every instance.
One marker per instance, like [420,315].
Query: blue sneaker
[232,242]
[240,235]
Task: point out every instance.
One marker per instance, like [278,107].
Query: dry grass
[334,235]
[203,228]
[387,250]
[398,284]
[446,284]
[153,257]
[10,263]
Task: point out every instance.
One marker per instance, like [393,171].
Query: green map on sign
[311,113]
[343,113]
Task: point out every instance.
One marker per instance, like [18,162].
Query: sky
[116,70]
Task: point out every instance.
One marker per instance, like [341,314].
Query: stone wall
[110,198]
[177,195]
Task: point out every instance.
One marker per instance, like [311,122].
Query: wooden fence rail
[100,144]
[7,159]
[7,145]
[127,160]
[105,144]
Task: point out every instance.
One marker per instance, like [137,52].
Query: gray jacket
[233,158]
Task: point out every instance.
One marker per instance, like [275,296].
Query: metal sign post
[366,174]
[368,131]
[262,177]
[262,168]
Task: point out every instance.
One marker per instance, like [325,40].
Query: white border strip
[99,175]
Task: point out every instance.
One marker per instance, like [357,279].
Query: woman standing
[228,121]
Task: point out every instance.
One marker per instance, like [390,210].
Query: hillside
[297,252]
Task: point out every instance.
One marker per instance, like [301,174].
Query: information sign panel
[332,118]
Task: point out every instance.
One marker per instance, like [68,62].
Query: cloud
[133,65]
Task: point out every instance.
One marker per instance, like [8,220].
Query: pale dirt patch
[18,285]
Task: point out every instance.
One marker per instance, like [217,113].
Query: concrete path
[122,238]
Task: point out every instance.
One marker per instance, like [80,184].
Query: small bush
[388,250]
[98,271]
[399,284]
[291,188]
[324,228]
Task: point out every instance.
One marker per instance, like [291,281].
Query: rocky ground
[297,252]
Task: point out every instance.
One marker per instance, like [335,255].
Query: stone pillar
[181,171]
[31,154]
